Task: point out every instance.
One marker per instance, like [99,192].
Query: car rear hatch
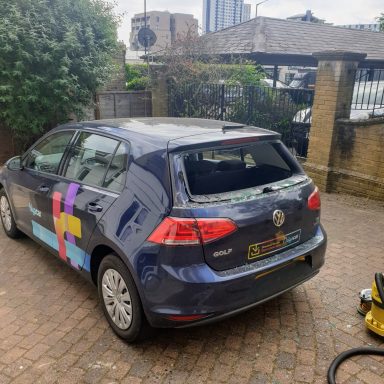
[248,195]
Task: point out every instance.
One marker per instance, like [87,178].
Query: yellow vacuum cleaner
[374,319]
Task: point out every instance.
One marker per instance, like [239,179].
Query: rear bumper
[199,290]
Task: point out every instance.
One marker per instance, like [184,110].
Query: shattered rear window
[221,170]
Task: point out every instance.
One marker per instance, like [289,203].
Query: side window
[117,171]
[46,155]
[90,158]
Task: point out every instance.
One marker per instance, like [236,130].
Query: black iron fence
[285,110]
[368,92]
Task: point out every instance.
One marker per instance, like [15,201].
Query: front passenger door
[30,188]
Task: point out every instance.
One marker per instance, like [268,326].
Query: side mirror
[14,164]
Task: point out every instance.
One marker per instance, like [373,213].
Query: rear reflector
[180,231]
[186,318]
[314,202]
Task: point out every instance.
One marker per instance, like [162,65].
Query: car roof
[162,130]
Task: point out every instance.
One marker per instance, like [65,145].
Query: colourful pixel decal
[66,225]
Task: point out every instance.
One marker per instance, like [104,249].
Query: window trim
[63,169]
[45,137]
[112,158]
[76,132]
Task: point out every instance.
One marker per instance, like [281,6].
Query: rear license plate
[281,241]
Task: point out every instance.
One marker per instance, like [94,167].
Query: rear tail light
[314,202]
[180,231]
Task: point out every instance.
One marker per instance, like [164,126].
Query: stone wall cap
[366,122]
[339,55]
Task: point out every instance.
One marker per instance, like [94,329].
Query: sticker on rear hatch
[281,241]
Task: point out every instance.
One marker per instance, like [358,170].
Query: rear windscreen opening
[221,170]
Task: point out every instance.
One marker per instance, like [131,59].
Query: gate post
[333,98]
[159,93]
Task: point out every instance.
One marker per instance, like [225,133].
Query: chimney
[308,15]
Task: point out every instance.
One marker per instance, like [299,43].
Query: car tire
[118,296]
[6,217]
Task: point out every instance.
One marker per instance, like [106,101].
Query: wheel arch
[97,255]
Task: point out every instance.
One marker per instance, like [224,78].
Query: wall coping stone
[122,92]
[336,55]
[363,122]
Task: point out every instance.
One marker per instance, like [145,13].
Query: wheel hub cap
[117,299]
[5,212]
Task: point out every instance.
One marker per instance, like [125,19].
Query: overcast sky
[333,11]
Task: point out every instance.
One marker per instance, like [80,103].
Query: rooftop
[273,41]
[159,131]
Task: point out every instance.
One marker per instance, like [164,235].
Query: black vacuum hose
[346,355]
[379,280]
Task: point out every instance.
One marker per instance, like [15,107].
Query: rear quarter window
[221,170]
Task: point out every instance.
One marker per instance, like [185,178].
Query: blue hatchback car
[178,222]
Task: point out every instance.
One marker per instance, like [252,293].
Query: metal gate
[285,110]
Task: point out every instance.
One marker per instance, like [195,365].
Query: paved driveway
[52,329]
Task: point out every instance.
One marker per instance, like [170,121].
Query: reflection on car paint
[34,211]
[131,220]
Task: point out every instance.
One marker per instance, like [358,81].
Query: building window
[158,19]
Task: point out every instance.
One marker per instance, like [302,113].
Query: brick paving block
[75,375]
[12,355]
[4,379]
[17,367]
[288,345]
[131,380]
[282,376]
[370,377]
[119,370]
[304,373]
[140,368]
[37,351]
[176,377]
[285,360]
[220,372]
[59,349]
[306,357]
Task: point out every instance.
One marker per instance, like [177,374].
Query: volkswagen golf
[178,222]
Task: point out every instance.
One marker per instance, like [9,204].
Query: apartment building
[220,14]
[167,26]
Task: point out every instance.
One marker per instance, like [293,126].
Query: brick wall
[358,158]
[6,145]
[159,93]
[117,82]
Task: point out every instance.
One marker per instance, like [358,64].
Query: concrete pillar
[333,98]
[159,93]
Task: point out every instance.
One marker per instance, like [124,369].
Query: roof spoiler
[229,127]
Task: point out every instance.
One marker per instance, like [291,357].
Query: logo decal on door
[67,228]
[65,223]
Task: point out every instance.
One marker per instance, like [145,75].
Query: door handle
[94,207]
[43,189]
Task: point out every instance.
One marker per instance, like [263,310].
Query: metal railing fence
[280,109]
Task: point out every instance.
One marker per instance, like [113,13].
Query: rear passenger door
[92,178]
